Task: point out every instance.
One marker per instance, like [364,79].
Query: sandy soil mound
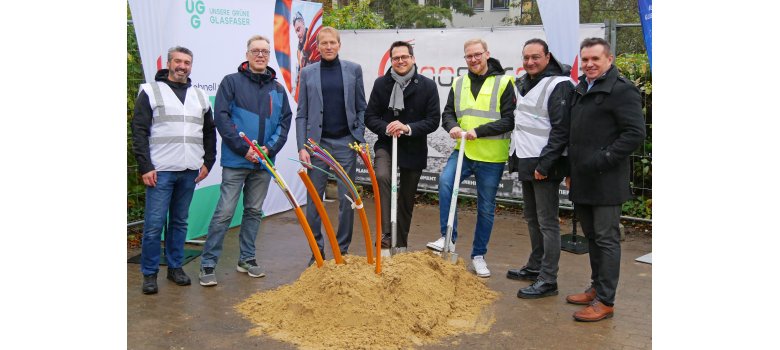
[418,299]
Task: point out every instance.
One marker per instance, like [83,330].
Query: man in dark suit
[607,125]
[331,105]
[404,103]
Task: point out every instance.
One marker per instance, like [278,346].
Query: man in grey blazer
[331,104]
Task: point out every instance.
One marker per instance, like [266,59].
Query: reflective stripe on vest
[176,135]
[532,119]
[472,113]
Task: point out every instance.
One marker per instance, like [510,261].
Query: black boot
[150,284]
[178,276]
[523,273]
[539,289]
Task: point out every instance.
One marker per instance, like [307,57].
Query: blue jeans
[487,176]
[170,198]
[255,185]
[339,149]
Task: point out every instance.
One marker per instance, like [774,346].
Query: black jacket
[506,102]
[142,123]
[421,113]
[607,125]
[551,162]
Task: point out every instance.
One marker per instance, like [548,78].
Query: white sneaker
[385,253]
[480,266]
[438,245]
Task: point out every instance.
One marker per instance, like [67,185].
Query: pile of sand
[418,299]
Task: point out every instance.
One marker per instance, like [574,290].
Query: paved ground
[196,317]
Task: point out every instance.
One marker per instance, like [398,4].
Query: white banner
[439,56]
[561,19]
[216,32]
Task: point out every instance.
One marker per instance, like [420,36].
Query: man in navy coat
[607,125]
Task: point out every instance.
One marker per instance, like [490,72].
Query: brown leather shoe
[596,311]
[582,298]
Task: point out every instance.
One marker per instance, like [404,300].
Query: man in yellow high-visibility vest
[481,104]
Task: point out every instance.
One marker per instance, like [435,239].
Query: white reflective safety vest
[532,120]
[176,135]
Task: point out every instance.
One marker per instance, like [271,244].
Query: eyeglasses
[477,56]
[256,53]
[401,58]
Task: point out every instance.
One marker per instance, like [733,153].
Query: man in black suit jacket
[404,104]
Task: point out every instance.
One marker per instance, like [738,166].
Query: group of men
[530,124]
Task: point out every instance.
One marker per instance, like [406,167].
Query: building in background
[487,13]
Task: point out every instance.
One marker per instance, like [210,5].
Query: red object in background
[575,70]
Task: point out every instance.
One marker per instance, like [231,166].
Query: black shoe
[150,284]
[539,289]
[523,273]
[178,276]
[312,260]
[386,242]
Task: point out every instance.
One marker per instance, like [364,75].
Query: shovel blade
[450,257]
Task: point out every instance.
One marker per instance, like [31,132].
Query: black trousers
[407,187]
[540,209]
[601,226]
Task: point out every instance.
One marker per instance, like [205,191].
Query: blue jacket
[255,104]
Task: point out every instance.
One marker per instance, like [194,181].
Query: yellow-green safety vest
[472,113]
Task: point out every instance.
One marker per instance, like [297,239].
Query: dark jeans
[540,208]
[407,187]
[170,198]
[601,226]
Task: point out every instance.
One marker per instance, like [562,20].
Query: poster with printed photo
[305,24]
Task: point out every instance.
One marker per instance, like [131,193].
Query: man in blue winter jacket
[253,102]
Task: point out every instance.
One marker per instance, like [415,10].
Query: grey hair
[256,38]
[181,49]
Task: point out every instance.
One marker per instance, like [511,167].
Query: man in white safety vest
[175,144]
[538,155]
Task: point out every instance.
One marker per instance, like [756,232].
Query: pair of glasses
[263,53]
[401,58]
[477,56]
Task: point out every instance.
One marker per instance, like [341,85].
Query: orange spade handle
[323,215]
[378,206]
[366,230]
[309,235]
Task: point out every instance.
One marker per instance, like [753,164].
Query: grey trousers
[601,226]
[407,187]
[540,209]
[340,150]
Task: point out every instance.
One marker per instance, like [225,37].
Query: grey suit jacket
[308,122]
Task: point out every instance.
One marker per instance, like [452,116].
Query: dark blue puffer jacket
[255,104]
